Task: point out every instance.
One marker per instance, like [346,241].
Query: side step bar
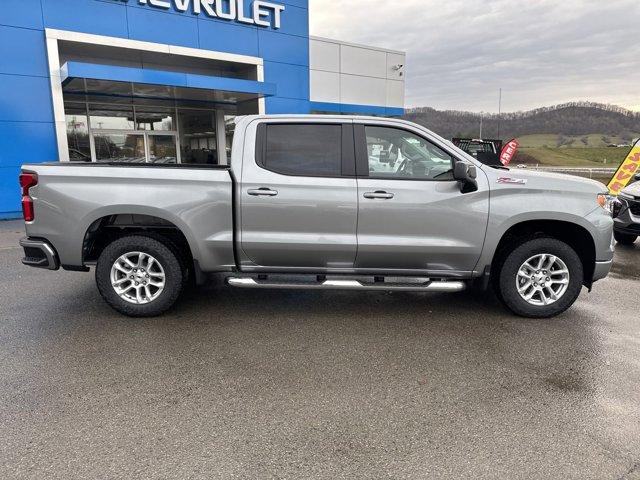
[429,286]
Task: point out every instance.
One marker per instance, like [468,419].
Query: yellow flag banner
[627,170]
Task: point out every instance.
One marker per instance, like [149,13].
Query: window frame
[347,148]
[362,155]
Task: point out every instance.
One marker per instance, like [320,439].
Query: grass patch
[594,140]
[571,157]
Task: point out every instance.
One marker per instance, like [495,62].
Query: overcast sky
[460,52]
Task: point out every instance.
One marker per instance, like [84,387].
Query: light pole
[499,111]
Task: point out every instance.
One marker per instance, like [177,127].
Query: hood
[545,180]
[633,190]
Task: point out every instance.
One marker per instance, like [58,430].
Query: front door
[298,196]
[412,215]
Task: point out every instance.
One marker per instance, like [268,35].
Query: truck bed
[70,198]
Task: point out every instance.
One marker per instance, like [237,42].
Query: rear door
[412,215]
[299,203]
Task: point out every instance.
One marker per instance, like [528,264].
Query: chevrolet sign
[262,13]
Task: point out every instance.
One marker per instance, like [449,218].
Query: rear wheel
[139,276]
[540,278]
[625,238]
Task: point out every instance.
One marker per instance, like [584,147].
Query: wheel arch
[572,233]
[107,225]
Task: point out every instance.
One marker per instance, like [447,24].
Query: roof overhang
[181,84]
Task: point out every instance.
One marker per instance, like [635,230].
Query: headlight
[607,202]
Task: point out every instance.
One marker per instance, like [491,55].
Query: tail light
[27,180]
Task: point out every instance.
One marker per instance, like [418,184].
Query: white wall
[356,74]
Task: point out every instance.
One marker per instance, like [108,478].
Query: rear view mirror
[466,176]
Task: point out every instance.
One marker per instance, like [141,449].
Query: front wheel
[540,278]
[625,238]
[139,276]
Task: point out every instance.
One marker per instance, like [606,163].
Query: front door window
[399,154]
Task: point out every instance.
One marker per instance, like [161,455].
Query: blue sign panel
[276,31]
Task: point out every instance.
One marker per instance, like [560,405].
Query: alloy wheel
[137,277]
[543,279]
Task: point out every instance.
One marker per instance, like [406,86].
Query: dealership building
[161,81]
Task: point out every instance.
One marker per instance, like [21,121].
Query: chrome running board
[428,286]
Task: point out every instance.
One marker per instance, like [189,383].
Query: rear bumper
[39,254]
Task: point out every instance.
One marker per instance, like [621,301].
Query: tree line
[573,118]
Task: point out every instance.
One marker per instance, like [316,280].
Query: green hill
[571,157]
[592,140]
[572,134]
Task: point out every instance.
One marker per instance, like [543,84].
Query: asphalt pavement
[289,384]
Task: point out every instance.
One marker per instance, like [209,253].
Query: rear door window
[311,150]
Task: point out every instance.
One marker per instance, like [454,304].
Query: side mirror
[466,176]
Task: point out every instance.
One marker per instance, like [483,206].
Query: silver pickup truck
[321,202]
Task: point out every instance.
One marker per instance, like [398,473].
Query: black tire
[625,238]
[183,258]
[506,287]
[164,255]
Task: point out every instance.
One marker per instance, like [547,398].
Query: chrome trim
[429,286]
[264,192]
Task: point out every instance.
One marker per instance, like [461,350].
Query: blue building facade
[75,75]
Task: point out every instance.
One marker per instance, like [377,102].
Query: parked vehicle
[626,214]
[486,151]
[301,207]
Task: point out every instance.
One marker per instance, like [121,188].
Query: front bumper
[627,218]
[39,253]
[601,270]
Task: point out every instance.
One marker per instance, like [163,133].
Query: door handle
[262,192]
[379,194]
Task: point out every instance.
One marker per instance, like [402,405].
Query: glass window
[108,87]
[229,130]
[111,117]
[198,136]
[162,149]
[160,119]
[120,147]
[78,132]
[395,153]
[306,150]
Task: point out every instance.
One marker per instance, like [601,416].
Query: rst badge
[511,181]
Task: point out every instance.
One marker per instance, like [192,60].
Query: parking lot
[290,384]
